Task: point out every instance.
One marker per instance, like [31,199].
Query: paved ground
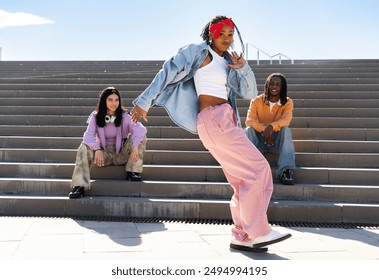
[35,238]
[25,238]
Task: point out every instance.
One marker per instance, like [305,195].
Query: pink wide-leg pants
[245,168]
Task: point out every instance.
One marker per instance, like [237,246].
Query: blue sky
[154,30]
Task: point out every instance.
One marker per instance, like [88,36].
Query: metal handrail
[258,51]
[270,56]
[280,57]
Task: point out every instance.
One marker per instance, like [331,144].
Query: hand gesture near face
[238,61]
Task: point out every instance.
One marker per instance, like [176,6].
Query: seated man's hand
[267,135]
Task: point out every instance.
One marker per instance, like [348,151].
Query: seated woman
[111,138]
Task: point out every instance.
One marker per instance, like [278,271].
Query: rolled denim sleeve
[247,82]
[173,71]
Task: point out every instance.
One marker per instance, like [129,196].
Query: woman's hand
[99,158]
[134,154]
[137,113]
[238,60]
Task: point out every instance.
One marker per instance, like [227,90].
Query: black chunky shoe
[133,176]
[287,177]
[77,192]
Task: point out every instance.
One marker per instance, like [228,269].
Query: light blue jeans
[283,146]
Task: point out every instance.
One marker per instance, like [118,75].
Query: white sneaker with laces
[270,238]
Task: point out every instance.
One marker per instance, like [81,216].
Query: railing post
[270,56]
[257,57]
[247,52]
[280,57]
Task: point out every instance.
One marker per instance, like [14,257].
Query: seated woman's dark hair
[102,107]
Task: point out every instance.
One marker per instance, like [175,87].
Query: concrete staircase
[43,111]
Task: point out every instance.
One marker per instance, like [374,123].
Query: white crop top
[211,78]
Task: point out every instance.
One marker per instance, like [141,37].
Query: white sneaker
[270,238]
[246,246]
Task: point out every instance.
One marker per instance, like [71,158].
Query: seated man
[267,125]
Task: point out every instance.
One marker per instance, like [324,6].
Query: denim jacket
[173,87]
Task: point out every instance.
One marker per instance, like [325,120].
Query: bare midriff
[206,101]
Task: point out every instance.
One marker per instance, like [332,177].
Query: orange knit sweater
[259,115]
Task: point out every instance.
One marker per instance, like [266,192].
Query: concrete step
[120,187]
[141,87]
[326,79]
[331,98]
[188,144]
[191,173]
[19,95]
[309,67]
[352,134]
[172,157]
[80,120]
[290,211]
[181,144]
[325,103]
[357,134]
[340,160]
[330,112]
[325,212]
[335,146]
[159,111]
[331,122]
[90,103]
[85,66]
[185,189]
[96,88]
[75,131]
[292,73]
[260,74]
[113,207]
[168,157]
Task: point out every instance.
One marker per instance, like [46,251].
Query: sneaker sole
[288,183]
[263,244]
[249,249]
[75,197]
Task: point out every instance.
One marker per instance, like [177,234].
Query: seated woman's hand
[99,158]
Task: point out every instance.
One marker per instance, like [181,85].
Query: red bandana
[217,27]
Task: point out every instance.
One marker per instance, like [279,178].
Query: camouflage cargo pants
[85,157]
